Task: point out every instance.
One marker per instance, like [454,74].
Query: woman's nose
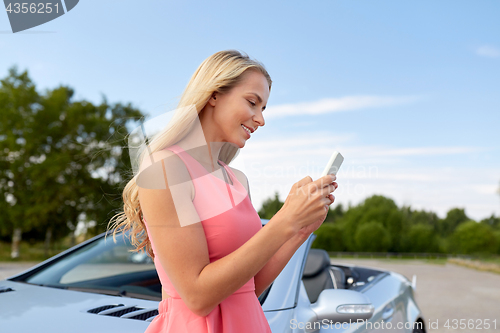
[259,119]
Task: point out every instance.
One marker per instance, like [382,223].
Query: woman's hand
[304,232]
[307,204]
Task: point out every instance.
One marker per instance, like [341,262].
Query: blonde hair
[218,73]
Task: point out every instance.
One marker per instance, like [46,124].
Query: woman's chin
[241,144]
[238,143]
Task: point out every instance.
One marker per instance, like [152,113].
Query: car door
[387,298]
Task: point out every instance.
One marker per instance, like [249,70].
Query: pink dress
[229,220]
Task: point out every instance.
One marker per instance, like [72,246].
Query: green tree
[372,237]
[453,219]
[270,207]
[334,214]
[421,238]
[379,209]
[497,237]
[425,218]
[18,99]
[329,237]
[471,237]
[59,157]
[493,221]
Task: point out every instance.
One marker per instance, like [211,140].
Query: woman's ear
[213,99]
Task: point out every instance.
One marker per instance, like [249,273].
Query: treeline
[61,161]
[378,225]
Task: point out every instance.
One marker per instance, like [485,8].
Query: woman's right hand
[308,202]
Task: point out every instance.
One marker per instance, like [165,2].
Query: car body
[101,286]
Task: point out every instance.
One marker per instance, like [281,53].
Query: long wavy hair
[218,73]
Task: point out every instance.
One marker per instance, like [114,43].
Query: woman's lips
[243,127]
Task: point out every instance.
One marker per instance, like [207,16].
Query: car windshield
[103,266]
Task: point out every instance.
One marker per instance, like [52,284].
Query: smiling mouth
[249,131]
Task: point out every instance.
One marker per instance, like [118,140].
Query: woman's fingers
[328,189]
[309,201]
[328,200]
[323,194]
[321,183]
[332,198]
[304,181]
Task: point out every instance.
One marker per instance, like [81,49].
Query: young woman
[192,212]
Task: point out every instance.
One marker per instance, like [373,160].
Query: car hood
[31,308]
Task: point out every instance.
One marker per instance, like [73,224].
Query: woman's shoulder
[165,157]
[163,162]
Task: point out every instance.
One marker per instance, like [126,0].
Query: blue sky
[408,92]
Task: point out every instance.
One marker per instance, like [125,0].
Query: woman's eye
[252,103]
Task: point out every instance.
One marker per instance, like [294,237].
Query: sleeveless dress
[229,220]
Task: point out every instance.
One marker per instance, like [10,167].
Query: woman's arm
[276,264]
[183,252]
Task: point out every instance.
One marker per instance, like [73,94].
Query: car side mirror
[340,306]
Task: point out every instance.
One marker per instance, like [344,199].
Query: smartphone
[334,164]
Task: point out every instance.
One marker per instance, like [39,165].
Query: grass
[382,256]
[432,261]
[406,260]
[487,265]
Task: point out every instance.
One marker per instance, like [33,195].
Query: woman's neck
[198,145]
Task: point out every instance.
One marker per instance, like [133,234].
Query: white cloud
[330,105]
[488,51]
[299,139]
[320,145]
[275,164]
[416,151]
[485,188]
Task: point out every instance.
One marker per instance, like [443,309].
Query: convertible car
[100,286]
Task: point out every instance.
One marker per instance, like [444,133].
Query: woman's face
[238,109]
